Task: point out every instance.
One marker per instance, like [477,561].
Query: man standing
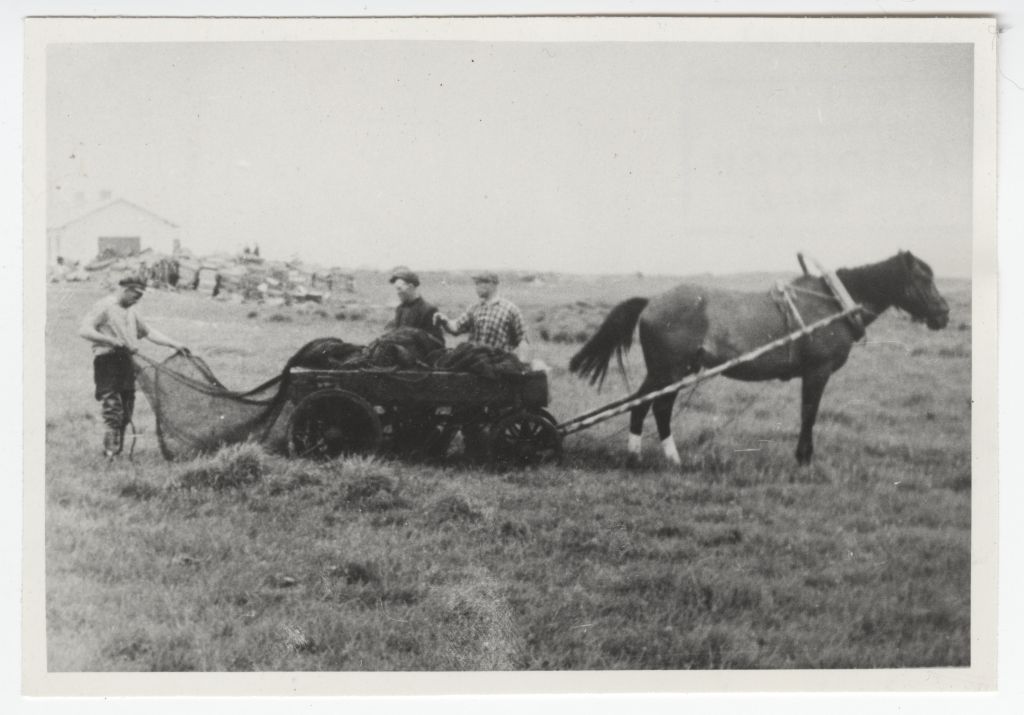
[493,321]
[114,329]
[412,310]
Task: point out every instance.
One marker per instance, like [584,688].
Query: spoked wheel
[524,439]
[331,423]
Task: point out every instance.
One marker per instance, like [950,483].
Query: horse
[690,327]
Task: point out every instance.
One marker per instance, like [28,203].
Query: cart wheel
[330,423]
[546,415]
[524,439]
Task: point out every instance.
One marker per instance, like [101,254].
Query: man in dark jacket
[412,310]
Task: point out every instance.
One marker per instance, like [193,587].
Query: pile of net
[408,349]
[196,413]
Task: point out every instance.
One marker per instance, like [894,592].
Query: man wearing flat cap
[412,310]
[493,321]
[115,329]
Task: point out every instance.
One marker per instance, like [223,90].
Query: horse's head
[919,297]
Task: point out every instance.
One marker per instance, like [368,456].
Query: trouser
[117,408]
[114,374]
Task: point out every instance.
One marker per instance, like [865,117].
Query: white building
[113,226]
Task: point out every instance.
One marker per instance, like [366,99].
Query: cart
[346,412]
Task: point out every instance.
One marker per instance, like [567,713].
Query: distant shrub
[321,313]
[569,337]
[350,314]
[234,466]
[252,314]
[280,318]
[569,324]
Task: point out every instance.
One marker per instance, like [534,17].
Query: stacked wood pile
[236,278]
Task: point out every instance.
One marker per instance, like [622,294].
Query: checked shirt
[497,323]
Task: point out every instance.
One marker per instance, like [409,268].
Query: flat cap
[404,274]
[136,282]
[485,277]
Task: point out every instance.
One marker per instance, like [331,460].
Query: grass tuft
[232,467]
[452,508]
[138,489]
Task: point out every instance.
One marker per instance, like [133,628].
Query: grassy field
[739,560]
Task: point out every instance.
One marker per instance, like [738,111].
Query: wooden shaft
[620,407]
[597,411]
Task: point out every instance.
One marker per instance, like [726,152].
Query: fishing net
[196,413]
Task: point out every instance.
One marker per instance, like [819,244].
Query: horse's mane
[883,280]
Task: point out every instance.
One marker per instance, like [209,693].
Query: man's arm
[89,329]
[456,327]
[155,336]
[431,324]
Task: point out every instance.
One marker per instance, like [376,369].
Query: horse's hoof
[633,460]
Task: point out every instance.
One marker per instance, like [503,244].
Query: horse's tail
[615,336]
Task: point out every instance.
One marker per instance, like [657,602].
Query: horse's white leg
[668,447]
[663,416]
[634,445]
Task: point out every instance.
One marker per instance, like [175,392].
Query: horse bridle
[913,294]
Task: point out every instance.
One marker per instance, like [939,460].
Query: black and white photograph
[648,350]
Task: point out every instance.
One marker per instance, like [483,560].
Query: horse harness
[784,296]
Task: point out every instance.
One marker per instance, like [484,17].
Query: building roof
[67,215]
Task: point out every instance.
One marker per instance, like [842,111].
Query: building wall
[79,240]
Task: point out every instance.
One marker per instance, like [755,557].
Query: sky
[588,157]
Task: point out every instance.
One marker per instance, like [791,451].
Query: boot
[111,441]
